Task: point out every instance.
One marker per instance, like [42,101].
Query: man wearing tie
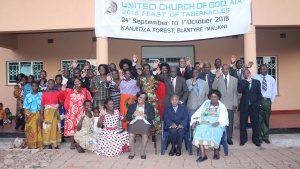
[268,91]
[174,84]
[239,74]
[185,68]
[207,75]
[227,85]
[198,91]
[176,119]
[249,106]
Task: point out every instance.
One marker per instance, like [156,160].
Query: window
[269,61]
[26,67]
[67,64]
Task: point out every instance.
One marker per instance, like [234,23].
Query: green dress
[149,86]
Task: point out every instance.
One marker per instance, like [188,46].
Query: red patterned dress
[112,140]
[160,94]
[74,106]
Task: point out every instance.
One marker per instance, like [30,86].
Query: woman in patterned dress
[128,89]
[149,85]
[74,105]
[161,89]
[112,140]
[85,137]
[32,107]
[50,116]
[98,86]
[209,122]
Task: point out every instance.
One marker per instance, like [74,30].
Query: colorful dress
[114,94]
[18,94]
[112,140]
[33,129]
[204,133]
[86,137]
[102,91]
[128,90]
[62,110]
[74,105]
[160,94]
[51,125]
[149,87]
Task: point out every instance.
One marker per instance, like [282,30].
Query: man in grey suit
[227,85]
[198,91]
[175,85]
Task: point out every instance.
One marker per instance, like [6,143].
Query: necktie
[173,83]
[182,72]
[264,84]
[198,87]
[225,81]
[206,79]
[249,87]
[238,73]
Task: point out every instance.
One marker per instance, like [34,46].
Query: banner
[171,20]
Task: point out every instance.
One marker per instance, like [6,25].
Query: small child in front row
[20,120]
[8,115]
[2,116]
[96,112]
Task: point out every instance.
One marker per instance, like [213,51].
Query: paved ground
[248,156]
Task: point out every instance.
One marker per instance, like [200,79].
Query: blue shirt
[33,102]
[27,89]
[271,91]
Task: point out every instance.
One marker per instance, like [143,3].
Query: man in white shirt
[268,91]
[218,64]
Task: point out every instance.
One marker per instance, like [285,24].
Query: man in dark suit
[207,75]
[174,85]
[176,119]
[249,106]
[185,68]
[239,71]
[80,75]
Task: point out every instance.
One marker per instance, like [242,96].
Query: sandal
[143,157]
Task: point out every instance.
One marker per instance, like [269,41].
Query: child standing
[20,120]
[2,116]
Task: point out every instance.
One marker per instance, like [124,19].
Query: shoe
[143,156]
[200,159]
[172,151]
[50,147]
[178,152]
[229,141]
[266,141]
[242,144]
[56,147]
[258,144]
[235,127]
[216,157]
[131,156]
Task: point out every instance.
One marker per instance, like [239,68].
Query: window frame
[19,67]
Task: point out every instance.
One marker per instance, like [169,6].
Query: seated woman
[209,121]
[140,116]
[85,137]
[112,140]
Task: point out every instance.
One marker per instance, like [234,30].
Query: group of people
[104,113]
